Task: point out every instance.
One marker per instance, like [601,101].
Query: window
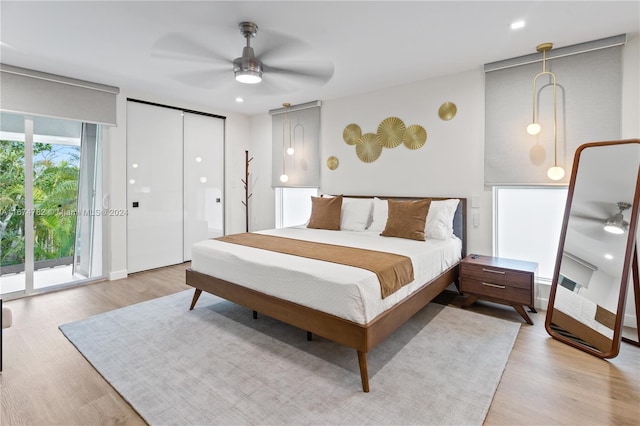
[293,206]
[527,223]
[512,156]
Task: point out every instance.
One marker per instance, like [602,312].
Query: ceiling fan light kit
[616,223]
[247,68]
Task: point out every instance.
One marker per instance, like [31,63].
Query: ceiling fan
[616,223]
[612,223]
[283,64]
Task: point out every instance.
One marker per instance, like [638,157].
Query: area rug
[216,365]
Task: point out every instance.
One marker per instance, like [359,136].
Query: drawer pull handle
[493,271]
[493,285]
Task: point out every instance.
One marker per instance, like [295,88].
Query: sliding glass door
[13,203]
[50,184]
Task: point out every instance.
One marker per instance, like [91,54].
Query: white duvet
[345,291]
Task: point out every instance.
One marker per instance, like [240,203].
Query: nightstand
[499,280]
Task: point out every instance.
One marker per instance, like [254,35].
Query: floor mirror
[595,294]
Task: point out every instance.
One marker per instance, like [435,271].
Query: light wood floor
[47,382]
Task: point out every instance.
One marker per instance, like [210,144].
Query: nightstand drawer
[492,288]
[495,275]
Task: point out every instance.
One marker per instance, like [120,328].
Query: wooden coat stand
[247,195]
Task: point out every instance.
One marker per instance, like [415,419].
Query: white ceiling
[371,45]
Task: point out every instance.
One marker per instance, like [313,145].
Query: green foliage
[55,189]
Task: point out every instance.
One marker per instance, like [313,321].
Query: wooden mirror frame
[630,263]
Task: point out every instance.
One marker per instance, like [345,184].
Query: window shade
[589,106]
[303,167]
[36,93]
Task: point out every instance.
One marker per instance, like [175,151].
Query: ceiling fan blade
[205,79]
[275,47]
[183,47]
[590,218]
[587,227]
[316,73]
[602,208]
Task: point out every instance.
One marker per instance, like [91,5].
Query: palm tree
[55,187]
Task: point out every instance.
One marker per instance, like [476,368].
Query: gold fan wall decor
[390,132]
[351,134]
[332,163]
[447,111]
[368,148]
[414,137]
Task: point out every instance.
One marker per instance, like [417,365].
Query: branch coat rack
[247,195]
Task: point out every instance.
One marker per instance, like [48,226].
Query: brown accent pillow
[325,213]
[406,219]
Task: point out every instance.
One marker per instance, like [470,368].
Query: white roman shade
[589,109]
[37,93]
[577,270]
[303,167]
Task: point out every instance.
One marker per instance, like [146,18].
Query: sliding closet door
[203,179]
[155,187]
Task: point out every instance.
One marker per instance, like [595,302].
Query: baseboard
[629,320]
[117,275]
[541,303]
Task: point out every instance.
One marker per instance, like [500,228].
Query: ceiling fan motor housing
[247,62]
[248,68]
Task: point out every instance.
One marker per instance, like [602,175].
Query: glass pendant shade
[555,173]
[290,151]
[284,178]
[533,129]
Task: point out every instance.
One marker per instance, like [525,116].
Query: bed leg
[196,295]
[309,336]
[255,314]
[364,375]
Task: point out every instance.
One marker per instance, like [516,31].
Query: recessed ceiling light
[517,25]
[239,100]
[608,256]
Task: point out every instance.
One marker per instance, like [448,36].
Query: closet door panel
[203,179]
[154,187]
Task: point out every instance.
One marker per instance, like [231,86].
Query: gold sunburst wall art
[391,133]
[332,163]
[351,134]
[414,137]
[447,111]
[369,148]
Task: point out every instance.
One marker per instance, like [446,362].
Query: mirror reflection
[586,305]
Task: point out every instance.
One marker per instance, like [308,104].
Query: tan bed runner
[393,270]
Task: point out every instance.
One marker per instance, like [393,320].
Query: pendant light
[556,172]
[286,129]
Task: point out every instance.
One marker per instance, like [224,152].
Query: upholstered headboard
[459,218]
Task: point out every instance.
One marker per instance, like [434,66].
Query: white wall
[449,164]
[262,202]
[236,141]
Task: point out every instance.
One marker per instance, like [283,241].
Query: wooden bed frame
[358,336]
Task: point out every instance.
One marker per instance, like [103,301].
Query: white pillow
[439,224]
[356,213]
[380,213]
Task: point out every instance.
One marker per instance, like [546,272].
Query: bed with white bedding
[339,302]
[583,319]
